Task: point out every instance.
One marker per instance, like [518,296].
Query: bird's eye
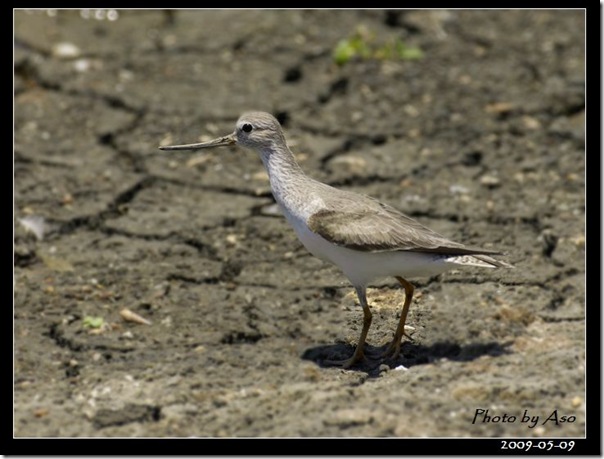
[247,127]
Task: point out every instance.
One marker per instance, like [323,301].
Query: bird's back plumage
[359,222]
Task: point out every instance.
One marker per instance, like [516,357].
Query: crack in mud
[132,412]
[111,211]
[58,336]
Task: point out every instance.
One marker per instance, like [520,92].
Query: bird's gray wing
[371,226]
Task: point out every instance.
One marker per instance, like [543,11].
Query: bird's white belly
[363,267]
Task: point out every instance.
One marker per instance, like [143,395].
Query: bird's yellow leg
[359,354]
[394,348]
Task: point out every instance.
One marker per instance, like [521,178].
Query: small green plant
[349,48]
[361,44]
[396,49]
[93,322]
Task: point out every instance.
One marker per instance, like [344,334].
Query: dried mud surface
[482,139]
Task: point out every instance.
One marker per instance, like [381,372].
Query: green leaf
[93,322]
[360,44]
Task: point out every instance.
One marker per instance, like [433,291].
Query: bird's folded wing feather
[376,227]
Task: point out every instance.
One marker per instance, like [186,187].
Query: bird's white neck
[291,187]
[282,168]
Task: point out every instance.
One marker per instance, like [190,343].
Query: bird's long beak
[219,142]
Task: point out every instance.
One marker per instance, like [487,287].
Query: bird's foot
[394,348]
[392,351]
[357,357]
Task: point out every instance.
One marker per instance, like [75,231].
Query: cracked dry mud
[482,140]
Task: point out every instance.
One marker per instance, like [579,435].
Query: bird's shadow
[411,354]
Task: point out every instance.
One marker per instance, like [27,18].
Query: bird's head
[255,130]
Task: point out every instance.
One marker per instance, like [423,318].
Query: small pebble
[499,107]
[34,224]
[65,50]
[40,412]
[490,181]
[531,123]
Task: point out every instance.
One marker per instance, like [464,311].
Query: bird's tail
[482,261]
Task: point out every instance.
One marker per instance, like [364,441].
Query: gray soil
[482,140]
